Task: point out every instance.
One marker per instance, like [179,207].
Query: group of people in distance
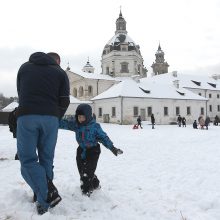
[139,122]
[43,93]
[181,121]
[201,122]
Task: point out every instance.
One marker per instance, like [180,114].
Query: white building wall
[98,86]
[214,100]
[106,105]
[157,105]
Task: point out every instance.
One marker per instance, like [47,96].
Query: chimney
[176,83]
[174,73]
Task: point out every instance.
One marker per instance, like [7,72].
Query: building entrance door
[143,114]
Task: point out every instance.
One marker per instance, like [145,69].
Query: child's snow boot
[96,183]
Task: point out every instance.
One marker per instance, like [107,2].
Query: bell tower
[121,25]
[88,68]
[160,66]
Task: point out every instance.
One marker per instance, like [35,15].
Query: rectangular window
[210,95]
[165,110]
[113,111]
[177,110]
[210,108]
[202,111]
[124,68]
[149,111]
[135,111]
[90,90]
[107,70]
[124,48]
[100,112]
[217,96]
[188,110]
[218,108]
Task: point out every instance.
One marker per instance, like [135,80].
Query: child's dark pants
[87,167]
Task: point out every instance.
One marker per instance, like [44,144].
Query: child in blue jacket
[88,135]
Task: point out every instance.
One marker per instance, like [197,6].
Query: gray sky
[188,31]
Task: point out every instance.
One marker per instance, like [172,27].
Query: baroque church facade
[123,91]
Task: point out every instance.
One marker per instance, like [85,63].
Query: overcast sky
[188,31]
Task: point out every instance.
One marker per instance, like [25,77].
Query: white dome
[121,38]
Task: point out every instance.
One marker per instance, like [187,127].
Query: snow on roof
[74,100]
[148,89]
[186,81]
[126,88]
[10,107]
[201,81]
[93,75]
[164,91]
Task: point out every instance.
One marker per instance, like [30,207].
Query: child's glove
[116,151]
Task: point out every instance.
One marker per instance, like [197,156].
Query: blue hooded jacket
[88,133]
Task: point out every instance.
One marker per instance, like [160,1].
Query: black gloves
[116,151]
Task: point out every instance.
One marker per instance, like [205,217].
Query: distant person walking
[139,121]
[152,120]
[201,122]
[207,121]
[184,121]
[179,120]
[216,120]
[43,91]
[94,115]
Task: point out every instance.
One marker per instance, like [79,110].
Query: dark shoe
[53,197]
[16,157]
[35,198]
[40,209]
[87,193]
[95,182]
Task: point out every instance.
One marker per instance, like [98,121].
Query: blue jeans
[36,140]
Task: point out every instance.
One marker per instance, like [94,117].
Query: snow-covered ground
[168,173]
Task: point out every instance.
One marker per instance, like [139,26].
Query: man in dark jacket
[152,120]
[43,92]
[179,120]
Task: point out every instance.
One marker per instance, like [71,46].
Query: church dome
[121,56]
[88,68]
[120,39]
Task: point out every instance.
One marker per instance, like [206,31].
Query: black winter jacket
[43,87]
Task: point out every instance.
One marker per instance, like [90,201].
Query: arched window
[80,91]
[75,92]
[90,91]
